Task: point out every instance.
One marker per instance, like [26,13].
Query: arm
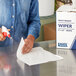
[33,27]
[34,20]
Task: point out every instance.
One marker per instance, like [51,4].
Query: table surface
[13,67]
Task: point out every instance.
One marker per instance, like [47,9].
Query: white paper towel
[37,55]
[46,7]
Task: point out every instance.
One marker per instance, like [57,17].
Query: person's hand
[28,44]
[2,38]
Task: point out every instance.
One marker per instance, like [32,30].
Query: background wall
[45,21]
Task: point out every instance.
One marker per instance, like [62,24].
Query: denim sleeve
[34,20]
[0,26]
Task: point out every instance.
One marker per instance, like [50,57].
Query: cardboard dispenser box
[50,31]
[66,27]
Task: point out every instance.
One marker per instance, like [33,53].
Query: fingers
[27,47]
[2,38]
[28,44]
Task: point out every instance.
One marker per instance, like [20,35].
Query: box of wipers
[66,27]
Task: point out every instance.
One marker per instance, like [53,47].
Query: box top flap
[67,8]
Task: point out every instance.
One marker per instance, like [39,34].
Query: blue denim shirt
[21,17]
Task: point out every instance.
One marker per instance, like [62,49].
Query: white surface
[37,55]
[46,7]
[67,67]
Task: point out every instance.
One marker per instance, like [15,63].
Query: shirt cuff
[35,34]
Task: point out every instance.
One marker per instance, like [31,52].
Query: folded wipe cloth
[37,55]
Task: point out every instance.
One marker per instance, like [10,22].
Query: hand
[2,38]
[28,44]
